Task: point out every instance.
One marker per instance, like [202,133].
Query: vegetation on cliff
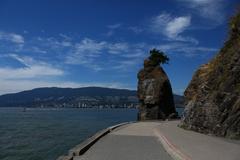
[158,57]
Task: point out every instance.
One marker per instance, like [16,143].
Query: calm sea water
[45,134]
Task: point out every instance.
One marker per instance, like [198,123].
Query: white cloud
[53,43]
[81,59]
[208,9]
[177,26]
[89,53]
[187,50]
[85,53]
[37,50]
[32,72]
[31,69]
[12,37]
[109,33]
[87,46]
[135,29]
[125,65]
[172,27]
[114,26]
[16,38]
[117,48]
[65,37]
[112,29]
[158,23]
[136,53]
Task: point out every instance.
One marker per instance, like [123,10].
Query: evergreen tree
[158,57]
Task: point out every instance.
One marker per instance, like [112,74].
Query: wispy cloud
[31,69]
[83,60]
[118,48]
[37,50]
[177,25]
[209,9]
[136,29]
[99,55]
[39,68]
[171,27]
[114,26]
[12,37]
[125,65]
[56,43]
[110,33]
[85,53]
[88,46]
[89,53]
[185,49]
[65,37]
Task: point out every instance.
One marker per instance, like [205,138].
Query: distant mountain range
[74,97]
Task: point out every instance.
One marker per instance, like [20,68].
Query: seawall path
[154,140]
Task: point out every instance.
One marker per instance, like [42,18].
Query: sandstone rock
[154,93]
[213,95]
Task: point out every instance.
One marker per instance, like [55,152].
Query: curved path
[135,141]
[158,140]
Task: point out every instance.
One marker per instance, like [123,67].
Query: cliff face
[213,96]
[154,93]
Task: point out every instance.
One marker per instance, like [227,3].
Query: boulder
[154,93]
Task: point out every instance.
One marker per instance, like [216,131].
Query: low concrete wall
[85,145]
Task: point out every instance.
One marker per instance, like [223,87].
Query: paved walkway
[160,141]
[198,146]
[132,142]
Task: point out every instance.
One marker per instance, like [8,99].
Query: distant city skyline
[70,43]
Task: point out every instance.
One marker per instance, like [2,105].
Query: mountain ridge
[74,96]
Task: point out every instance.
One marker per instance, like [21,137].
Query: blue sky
[71,43]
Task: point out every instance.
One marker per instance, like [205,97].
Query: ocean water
[45,134]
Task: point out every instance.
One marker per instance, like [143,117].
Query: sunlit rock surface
[213,95]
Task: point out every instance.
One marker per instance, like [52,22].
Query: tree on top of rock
[158,57]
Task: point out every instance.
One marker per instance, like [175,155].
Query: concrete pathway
[160,141]
[132,142]
[192,145]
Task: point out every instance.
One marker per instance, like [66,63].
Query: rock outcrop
[213,95]
[154,93]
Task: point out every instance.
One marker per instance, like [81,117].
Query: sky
[78,43]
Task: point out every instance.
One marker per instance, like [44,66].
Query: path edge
[81,148]
[171,149]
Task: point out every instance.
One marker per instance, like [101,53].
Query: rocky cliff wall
[213,96]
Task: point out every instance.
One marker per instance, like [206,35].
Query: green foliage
[158,57]
[235,22]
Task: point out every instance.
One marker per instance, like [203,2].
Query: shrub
[158,57]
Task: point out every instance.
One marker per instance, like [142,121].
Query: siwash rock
[154,93]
